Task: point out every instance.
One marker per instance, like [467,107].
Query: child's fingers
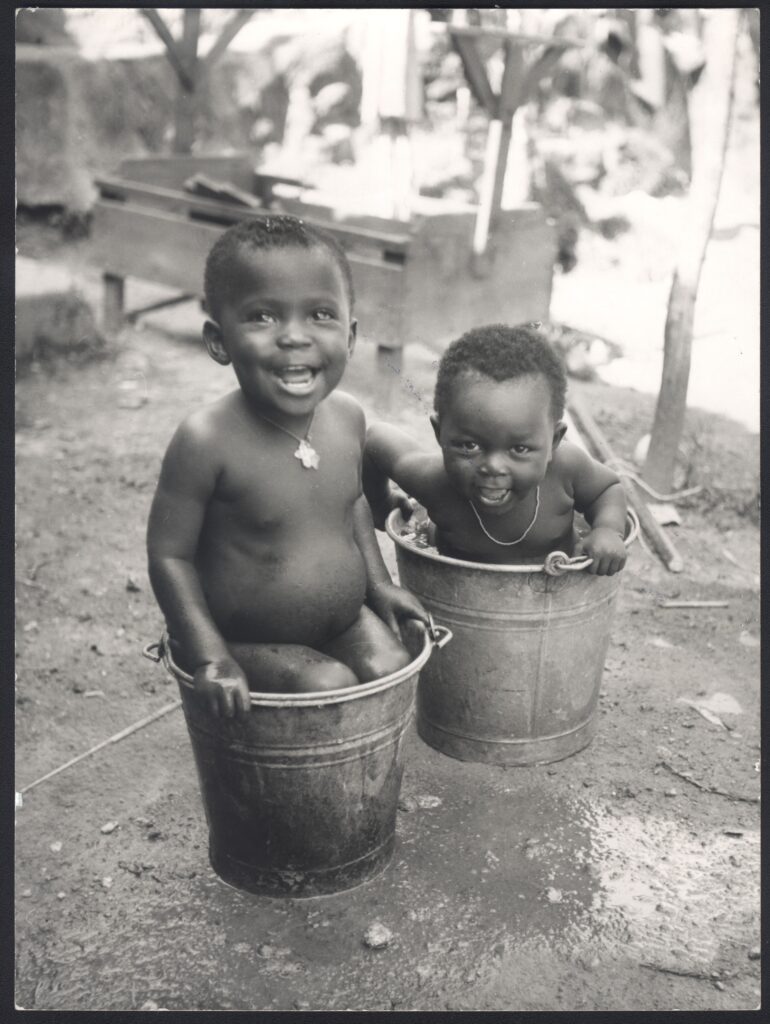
[226,703]
[407,505]
[242,703]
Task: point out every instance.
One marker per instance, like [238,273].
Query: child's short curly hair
[502,353]
[265,232]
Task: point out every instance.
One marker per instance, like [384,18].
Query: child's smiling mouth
[297,379]
[493,496]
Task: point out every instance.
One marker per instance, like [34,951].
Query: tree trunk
[187,98]
[710,108]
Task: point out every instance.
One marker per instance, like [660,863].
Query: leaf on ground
[658,641]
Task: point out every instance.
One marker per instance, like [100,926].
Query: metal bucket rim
[290,700]
[396,520]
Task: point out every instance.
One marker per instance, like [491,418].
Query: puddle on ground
[470,897]
[596,881]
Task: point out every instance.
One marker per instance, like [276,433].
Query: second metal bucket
[520,684]
[301,796]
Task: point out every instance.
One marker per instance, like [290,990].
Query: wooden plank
[564,42]
[386,227]
[475,72]
[173,171]
[225,213]
[220,191]
[442,299]
[152,245]
[171,250]
[537,69]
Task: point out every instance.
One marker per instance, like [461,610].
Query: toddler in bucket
[506,485]
[262,552]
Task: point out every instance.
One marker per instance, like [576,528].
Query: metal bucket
[521,683]
[300,797]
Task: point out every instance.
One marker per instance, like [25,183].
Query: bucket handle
[439,635]
[153,652]
[558,562]
[434,637]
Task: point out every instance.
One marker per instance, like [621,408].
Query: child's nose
[294,333]
[495,464]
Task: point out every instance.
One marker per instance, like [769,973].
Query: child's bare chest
[268,485]
[533,526]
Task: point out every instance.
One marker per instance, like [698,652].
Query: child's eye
[466,447]
[260,316]
[323,315]
[520,449]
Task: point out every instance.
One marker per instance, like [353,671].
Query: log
[601,447]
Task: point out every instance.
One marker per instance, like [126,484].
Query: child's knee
[325,675]
[384,661]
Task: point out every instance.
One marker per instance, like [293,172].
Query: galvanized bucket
[521,683]
[300,798]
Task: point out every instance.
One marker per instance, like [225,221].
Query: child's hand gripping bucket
[301,796]
[521,684]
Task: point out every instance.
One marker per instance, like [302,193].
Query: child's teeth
[300,375]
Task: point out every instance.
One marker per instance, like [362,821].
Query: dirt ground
[642,890]
[624,877]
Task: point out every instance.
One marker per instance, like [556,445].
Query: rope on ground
[709,789]
[113,739]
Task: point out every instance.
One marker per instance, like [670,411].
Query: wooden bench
[414,281]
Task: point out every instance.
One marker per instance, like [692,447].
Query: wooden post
[710,108]
[519,80]
[112,304]
[510,88]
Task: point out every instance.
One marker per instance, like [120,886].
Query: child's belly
[289,593]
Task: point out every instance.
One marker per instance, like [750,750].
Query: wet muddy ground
[624,877]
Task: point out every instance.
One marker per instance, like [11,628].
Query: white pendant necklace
[508,543]
[305,452]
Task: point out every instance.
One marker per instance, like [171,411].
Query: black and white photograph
[387,510]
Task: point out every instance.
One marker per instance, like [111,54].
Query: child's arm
[599,495]
[391,455]
[387,600]
[185,487]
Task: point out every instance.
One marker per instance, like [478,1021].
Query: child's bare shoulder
[210,423]
[347,411]
[569,462]
[570,456]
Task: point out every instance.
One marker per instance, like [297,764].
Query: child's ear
[352,337]
[558,433]
[212,339]
[434,422]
